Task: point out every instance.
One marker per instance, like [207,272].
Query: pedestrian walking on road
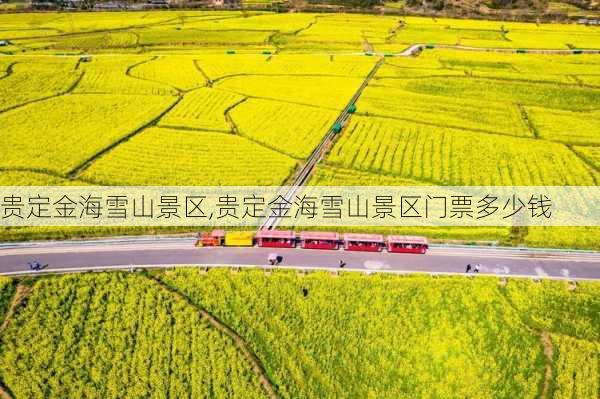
[476,268]
[272,259]
[468,268]
[342,264]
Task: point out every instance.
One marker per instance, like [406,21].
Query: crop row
[162,70]
[115,336]
[202,109]
[493,117]
[220,65]
[70,129]
[293,129]
[451,156]
[108,74]
[322,91]
[386,337]
[34,79]
[159,156]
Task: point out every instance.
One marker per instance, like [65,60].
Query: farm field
[350,335]
[448,156]
[166,161]
[100,120]
[226,98]
[118,336]
[298,32]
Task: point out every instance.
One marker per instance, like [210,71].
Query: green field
[114,335]
[245,97]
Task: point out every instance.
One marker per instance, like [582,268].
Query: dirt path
[4,393]
[549,353]
[21,293]
[238,341]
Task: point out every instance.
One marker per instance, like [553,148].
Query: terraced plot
[253,21]
[110,74]
[70,129]
[289,32]
[219,66]
[23,33]
[566,126]
[84,22]
[327,92]
[590,154]
[96,41]
[498,34]
[202,109]
[491,117]
[451,156]
[162,70]
[348,32]
[38,78]
[295,130]
[160,156]
[591,80]
[177,36]
[567,97]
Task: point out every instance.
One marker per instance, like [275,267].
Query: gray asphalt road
[77,256]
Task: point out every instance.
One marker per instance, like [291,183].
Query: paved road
[74,256]
[416,49]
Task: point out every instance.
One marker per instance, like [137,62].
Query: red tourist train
[316,240]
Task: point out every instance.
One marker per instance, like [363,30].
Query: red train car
[407,244]
[319,240]
[363,242]
[276,238]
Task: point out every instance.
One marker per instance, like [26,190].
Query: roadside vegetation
[315,335]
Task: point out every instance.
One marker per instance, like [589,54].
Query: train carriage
[363,242]
[319,240]
[407,244]
[276,238]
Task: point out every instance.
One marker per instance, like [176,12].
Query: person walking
[468,268]
[476,268]
[342,264]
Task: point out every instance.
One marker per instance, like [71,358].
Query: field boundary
[528,122]
[68,90]
[9,70]
[549,355]
[545,341]
[583,158]
[78,170]
[240,343]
